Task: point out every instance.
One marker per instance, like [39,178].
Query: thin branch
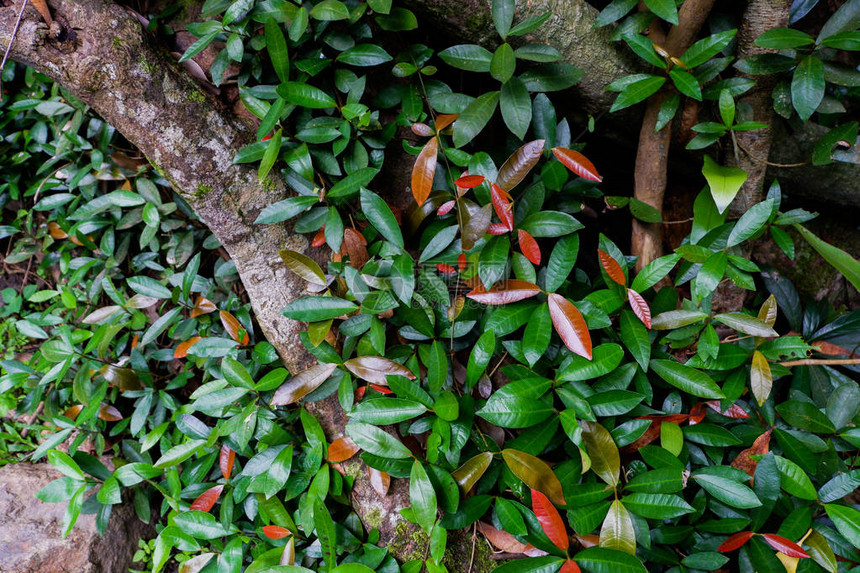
[821,362]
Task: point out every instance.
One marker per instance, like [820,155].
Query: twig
[11,41]
[821,362]
[474,539]
[765,161]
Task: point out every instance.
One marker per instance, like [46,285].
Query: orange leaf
[42,7]
[202,306]
[461,262]
[697,413]
[570,566]
[736,541]
[550,520]
[236,331]
[342,449]
[529,246]
[359,393]
[570,325]
[421,129]
[504,292]
[135,340]
[577,163]
[783,545]
[109,414]
[640,307]
[497,229]
[518,165]
[469,181]
[275,531]
[501,540]
[587,541]
[443,268]
[443,121]
[319,238]
[379,480]
[381,389]
[760,446]
[503,206]
[446,207]
[73,411]
[56,232]
[225,461]
[207,499]
[183,347]
[612,268]
[423,171]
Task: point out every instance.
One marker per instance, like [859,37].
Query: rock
[31,531]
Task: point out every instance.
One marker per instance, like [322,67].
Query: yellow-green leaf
[761,379]
[535,473]
[617,529]
[605,459]
[303,266]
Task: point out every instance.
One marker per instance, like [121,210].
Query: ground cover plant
[528,384]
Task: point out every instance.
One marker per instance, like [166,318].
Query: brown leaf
[73,411]
[501,540]
[355,247]
[183,347]
[570,325]
[612,268]
[300,386]
[207,499]
[474,221]
[376,369]
[519,164]
[443,121]
[421,129]
[577,163]
[122,378]
[42,7]
[342,449]
[424,170]
[56,232]
[202,306]
[109,414]
[379,480]
[234,328]
[225,461]
[529,246]
[760,446]
[504,292]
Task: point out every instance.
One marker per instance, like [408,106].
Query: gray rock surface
[31,532]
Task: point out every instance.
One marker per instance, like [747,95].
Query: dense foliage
[484,343]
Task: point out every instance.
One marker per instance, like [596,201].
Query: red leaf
[275,531]
[612,268]
[550,520]
[381,389]
[577,163]
[423,171]
[504,292]
[469,181]
[443,268]
[783,545]
[207,499]
[461,261]
[676,418]
[497,229]
[697,413]
[734,411]
[736,541]
[570,325]
[225,461]
[319,238]
[570,566]
[529,246]
[183,347]
[503,206]
[359,393]
[234,328]
[446,207]
[342,449]
[421,129]
[640,307]
[443,121]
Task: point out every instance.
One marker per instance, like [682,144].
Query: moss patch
[203,190]
[144,64]
[408,542]
[196,96]
[373,518]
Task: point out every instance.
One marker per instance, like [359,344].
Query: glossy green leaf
[305,95]
[605,459]
[807,86]
[380,216]
[387,410]
[728,491]
[604,560]
[637,92]
[315,308]
[377,441]
[724,182]
[518,404]
[841,261]
[687,379]
[422,497]
[847,521]
[516,106]
[750,223]
[657,505]
[469,57]
[794,480]
[475,117]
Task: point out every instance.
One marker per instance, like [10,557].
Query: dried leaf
[501,540]
[300,386]
[202,306]
[379,480]
[424,170]
[342,449]
[355,247]
[577,163]
[207,499]
[760,446]
[570,325]
[376,369]
[56,232]
[234,328]
[109,413]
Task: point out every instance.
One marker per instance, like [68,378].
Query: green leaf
[273,149]
[329,10]
[663,480]
[304,266]
[422,497]
[667,111]
[807,86]
[616,10]
[364,55]
[377,441]
[806,416]
[561,262]
[746,324]
[316,308]
[605,358]
[751,222]
[530,24]
[350,185]
[469,57]
[839,486]
[503,63]
[550,224]
[617,530]
[784,38]
[687,379]
[286,209]
[644,48]
[637,91]
[276,45]
[535,473]
[644,212]
[305,95]
[545,564]
[516,107]
[480,357]
[148,287]
[686,83]
[473,119]
[273,479]
[728,491]
[664,9]
[724,182]
[380,216]
[603,560]
[518,404]
[657,505]
[654,272]
[537,53]
[387,410]
[794,480]
[847,521]
[63,463]
[841,261]
[503,15]
[494,260]
[537,335]
[707,48]
[821,155]
[236,374]
[551,77]
[634,336]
